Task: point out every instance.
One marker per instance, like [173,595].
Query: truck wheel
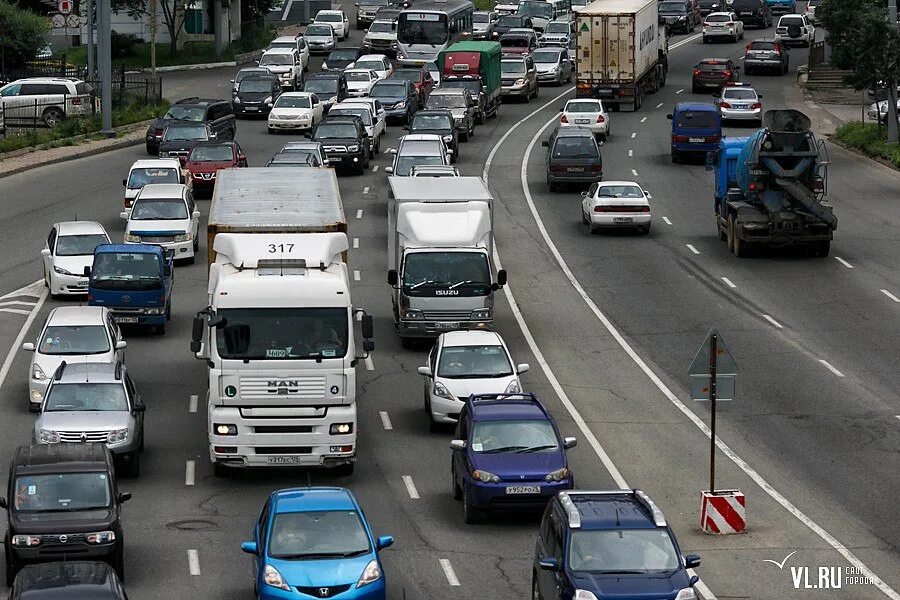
[407,343]
[169,311]
[821,249]
[738,247]
[457,492]
[729,233]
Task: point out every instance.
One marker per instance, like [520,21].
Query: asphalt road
[815,452]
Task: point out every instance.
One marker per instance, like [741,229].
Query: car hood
[277,69]
[510,466]
[545,67]
[297,112]
[83,420]
[458,113]
[669,17]
[208,166]
[178,145]
[656,585]
[511,78]
[73,264]
[322,573]
[440,132]
[253,96]
[338,65]
[160,227]
[50,362]
[513,51]
[358,85]
[339,142]
[318,38]
[463,388]
[381,36]
[386,100]
[75,521]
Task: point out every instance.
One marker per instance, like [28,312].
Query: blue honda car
[315,542]
[508,454]
[696,129]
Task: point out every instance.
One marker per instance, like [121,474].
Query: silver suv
[94,402]
[44,100]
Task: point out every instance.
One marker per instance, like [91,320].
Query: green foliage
[484,4]
[22,33]
[870,139]
[122,44]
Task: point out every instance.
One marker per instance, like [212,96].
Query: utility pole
[152,10]
[893,135]
[90,38]
[218,28]
[104,60]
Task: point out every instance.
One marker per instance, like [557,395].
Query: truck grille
[263,388]
[447,315]
[83,436]
[158,239]
[335,149]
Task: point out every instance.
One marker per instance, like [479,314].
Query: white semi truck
[440,255]
[277,334]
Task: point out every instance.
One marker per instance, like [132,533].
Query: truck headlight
[353,148]
[117,435]
[37,372]
[272,577]
[340,428]
[485,476]
[225,429]
[100,537]
[557,475]
[61,271]
[441,391]
[184,237]
[134,239]
[412,314]
[482,314]
[48,436]
[370,574]
[26,540]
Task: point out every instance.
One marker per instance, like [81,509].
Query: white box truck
[621,52]
[277,334]
[440,255]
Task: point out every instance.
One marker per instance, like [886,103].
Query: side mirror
[3,503]
[249,547]
[693,580]
[691,561]
[383,542]
[549,564]
[124,496]
[45,252]
[123,215]
[501,277]
[196,214]
[569,442]
[121,345]
[522,368]
[392,276]
[139,408]
[406,128]
[759,95]
[562,109]
[425,371]
[307,135]
[449,150]
[368,327]
[392,151]
[458,444]
[669,117]
[389,170]
[545,144]
[368,345]
[232,81]
[125,181]
[28,347]
[87,271]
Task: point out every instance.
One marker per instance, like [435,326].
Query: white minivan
[164,214]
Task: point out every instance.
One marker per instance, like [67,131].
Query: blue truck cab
[134,282]
[724,161]
[696,129]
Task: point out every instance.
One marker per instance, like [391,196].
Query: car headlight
[48,436]
[412,313]
[237,99]
[519,82]
[26,540]
[130,237]
[353,148]
[557,475]
[441,391]
[325,66]
[225,429]
[514,387]
[584,595]
[681,18]
[184,237]
[272,577]
[37,372]
[268,100]
[485,476]
[687,594]
[61,271]
[117,435]
[36,396]
[100,537]
[340,428]
[447,139]
[482,314]
[370,574]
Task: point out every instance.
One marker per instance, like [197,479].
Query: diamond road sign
[726,370]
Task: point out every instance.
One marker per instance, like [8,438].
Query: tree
[172,12]
[22,33]
[863,41]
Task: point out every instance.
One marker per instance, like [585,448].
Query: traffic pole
[90,38]
[712,418]
[893,134]
[104,60]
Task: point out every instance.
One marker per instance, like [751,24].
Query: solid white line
[192,403]
[410,487]
[356,242]
[375,169]
[843,262]
[189,469]
[773,321]
[385,420]
[890,295]
[830,368]
[370,366]
[449,572]
[17,302]
[366,190]
[634,173]
[666,219]
[193,562]
[687,40]
[32,290]
[359,214]
[17,343]
[679,91]
[631,153]
[355,275]
[633,134]
[692,249]
[728,282]
[15,311]
[659,105]
[644,120]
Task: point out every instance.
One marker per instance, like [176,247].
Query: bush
[122,44]
[870,139]
[22,33]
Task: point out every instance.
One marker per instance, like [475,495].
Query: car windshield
[512,67]
[718,18]
[671,7]
[413,75]
[381,27]
[470,362]
[61,492]
[535,8]
[481,17]
[292,102]
[211,153]
[325,85]
[74,339]
[343,54]
[335,130]
[282,333]
[385,89]
[101,397]
[79,245]
[740,94]
[362,113]
[371,65]
[359,76]
[311,535]
[574,147]
[140,177]
[584,106]
[126,269]
[328,18]
[545,56]
[256,86]
[174,134]
[555,27]
[431,122]
[186,113]
[276,59]
[619,191]
[323,30]
[446,101]
[516,436]
[510,21]
[163,209]
[697,119]
[514,41]
[622,551]
[446,273]
[294,157]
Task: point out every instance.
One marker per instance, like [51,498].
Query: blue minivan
[696,129]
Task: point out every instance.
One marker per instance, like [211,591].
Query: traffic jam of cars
[402,96]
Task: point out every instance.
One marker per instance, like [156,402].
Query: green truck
[476,67]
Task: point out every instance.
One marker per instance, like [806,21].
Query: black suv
[345,142]
[753,12]
[215,113]
[63,502]
[341,58]
[329,86]
[256,95]
[179,139]
[75,579]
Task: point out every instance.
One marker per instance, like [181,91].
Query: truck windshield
[535,8]
[282,333]
[135,271]
[446,274]
[61,492]
[422,28]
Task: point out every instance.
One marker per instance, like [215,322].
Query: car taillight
[557,168]
[724,104]
[777,51]
[76,101]
[599,209]
[680,138]
[127,203]
[712,138]
[697,71]
[645,209]
[600,119]
[597,168]
[726,73]
[563,119]
[756,186]
[756,105]
[159,133]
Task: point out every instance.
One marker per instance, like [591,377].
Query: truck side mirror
[368,327]
[669,117]
[368,345]
[392,277]
[216,322]
[3,503]
[197,331]
[501,277]
[87,271]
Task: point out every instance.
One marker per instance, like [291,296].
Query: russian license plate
[696,140]
[741,107]
[604,91]
[125,319]
[583,121]
[622,219]
[575,169]
[82,282]
[284,460]
[523,489]
[252,108]
[445,325]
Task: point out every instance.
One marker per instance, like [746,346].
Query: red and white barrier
[723,512]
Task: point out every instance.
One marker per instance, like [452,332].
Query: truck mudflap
[755,226]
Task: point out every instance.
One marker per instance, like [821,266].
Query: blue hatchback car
[508,453]
[609,544]
[696,129]
[315,542]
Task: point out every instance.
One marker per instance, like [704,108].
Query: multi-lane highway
[609,323]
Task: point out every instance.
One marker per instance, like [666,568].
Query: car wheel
[457,492]
[161,329]
[675,156]
[52,117]
[196,244]
[584,218]
[787,67]
[119,565]
[133,466]
[407,343]
[821,249]
[551,186]
[219,470]
[645,230]
[535,592]
[705,40]
[152,150]
[11,570]
[345,470]
[470,513]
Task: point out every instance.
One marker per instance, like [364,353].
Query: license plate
[604,91]
[447,325]
[622,219]
[252,108]
[583,121]
[741,106]
[746,14]
[125,319]
[523,489]
[82,282]
[284,460]
[575,169]
[696,140]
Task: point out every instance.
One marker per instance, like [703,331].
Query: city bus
[428,28]
[542,12]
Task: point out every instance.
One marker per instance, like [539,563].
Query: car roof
[297,94]
[280,51]
[208,143]
[573,132]
[161,190]
[471,338]
[713,61]
[612,183]
[420,137]
[312,145]
[504,409]
[719,13]
[146,163]
[89,372]
[325,75]
[47,80]
[79,227]
[444,91]
[354,70]
[65,456]
[198,101]
[618,509]
[373,56]
[428,112]
[77,315]
[695,106]
[309,499]
[284,38]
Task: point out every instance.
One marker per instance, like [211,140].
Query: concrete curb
[837,142]
[199,67]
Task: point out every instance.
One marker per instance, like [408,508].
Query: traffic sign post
[65,7]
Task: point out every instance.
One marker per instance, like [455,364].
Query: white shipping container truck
[621,52]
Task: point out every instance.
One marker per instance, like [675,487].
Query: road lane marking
[194,562]
[32,290]
[356,242]
[355,275]
[773,321]
[370,366]
[830,368]
[728,282]
[410,487]
[449,573]
[634,173]
[679,91]
[17,303]
[17,343]
[687,40]
[666,219]
[692,249]
[189,470]
[631,153]
[843,262]
[366,190]
[649,197]
[659,105]
[192,403]
[16,311]
[359,214]
[633,134]
[385,420]
[890,295]
[644,120]
[375,169]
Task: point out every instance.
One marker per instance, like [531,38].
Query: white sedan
[722,25]
[379,63]
[462,363]
[360,81]
[295,111]
[616,204]
[69,249]
[585,112]
[337,20]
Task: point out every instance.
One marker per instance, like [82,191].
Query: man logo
[289,383]
[323,592]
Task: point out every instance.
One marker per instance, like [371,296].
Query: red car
[205,160]
[515,43]
[419,77]
[713,74]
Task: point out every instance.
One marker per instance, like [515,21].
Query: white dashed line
[355,275]
[17,343]
[194,562]
[667,221]
[633,134]
[830,368]
[192,403]
[366,190]
[692,249]
[843,262]
[385,420]
[728,282]
[890,295]
[644,120]
[410,487]
[356,242]
[659,105]
[631,153]
[449,572]
[189,469]
[679,91]
[634,172]
[359,214]
[773,321]
[370,366]
[375,169]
